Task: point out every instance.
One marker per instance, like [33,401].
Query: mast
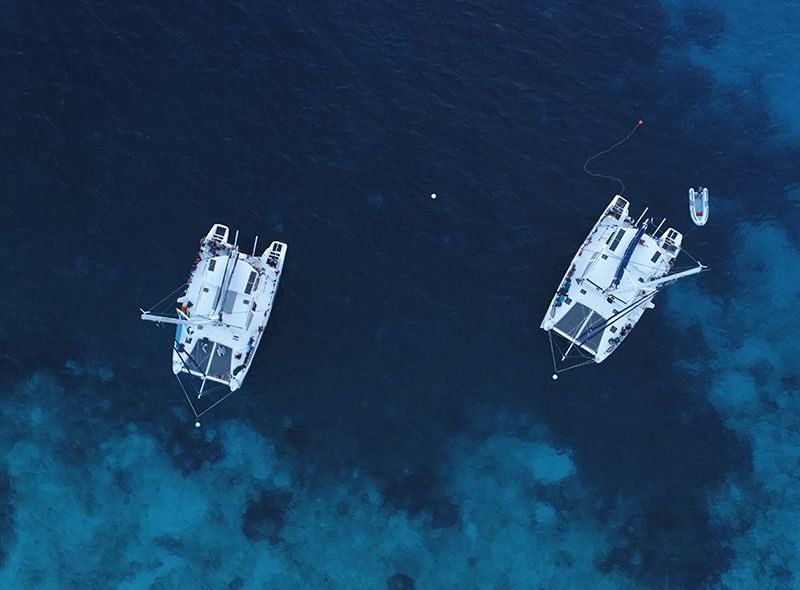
[667,279]
[574,340]
[614,318]
[652,287]
[163,319]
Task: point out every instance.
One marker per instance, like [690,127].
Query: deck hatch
[617,240]
[251,282]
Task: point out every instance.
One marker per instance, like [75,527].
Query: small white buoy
[555,376]
[197,424]
[433,195]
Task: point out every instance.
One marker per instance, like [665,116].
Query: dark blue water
[399,428]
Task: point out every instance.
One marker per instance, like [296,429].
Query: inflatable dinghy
[698,205]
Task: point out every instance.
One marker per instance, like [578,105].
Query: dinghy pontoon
[698,205]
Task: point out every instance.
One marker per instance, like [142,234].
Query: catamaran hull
[609,284]
[222,315]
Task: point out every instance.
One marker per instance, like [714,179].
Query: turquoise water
[399,428]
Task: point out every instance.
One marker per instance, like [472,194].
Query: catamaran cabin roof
[236,304]
[602,264]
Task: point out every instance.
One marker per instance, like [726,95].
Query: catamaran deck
[213,358]
[224,311]
[610,281]
[229,298]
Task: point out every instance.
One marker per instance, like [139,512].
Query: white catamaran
[609,284]
[222,315]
